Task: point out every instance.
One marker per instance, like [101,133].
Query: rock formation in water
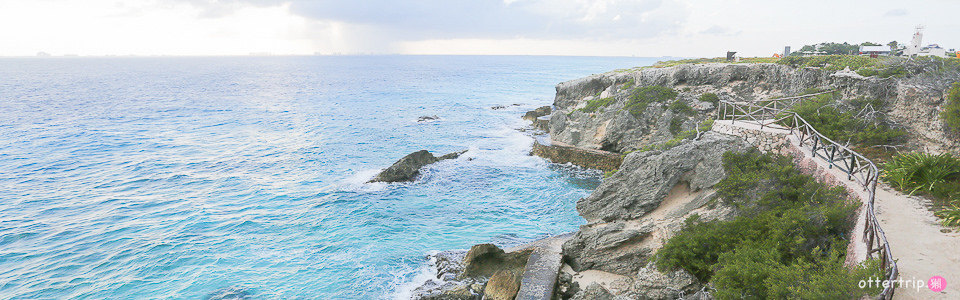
[408,167]
[483,272]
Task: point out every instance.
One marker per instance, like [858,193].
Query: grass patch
[710,97]
[640,98]
[743,60]
[933,175]
[830,62]
[787,242]
[951,111]
[950,216]
[607,174]
[594,105]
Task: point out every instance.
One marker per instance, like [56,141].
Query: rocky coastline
[662,168]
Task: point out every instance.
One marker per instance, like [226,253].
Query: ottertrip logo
[935,283]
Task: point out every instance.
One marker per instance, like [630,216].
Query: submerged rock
[428,118]
[408,167]
[229,293]
[536,113]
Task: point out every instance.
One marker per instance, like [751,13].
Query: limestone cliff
[913,102]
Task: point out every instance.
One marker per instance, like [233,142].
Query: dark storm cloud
[495,19]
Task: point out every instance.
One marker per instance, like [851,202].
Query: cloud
[720,30]
[486,19]
[896,13]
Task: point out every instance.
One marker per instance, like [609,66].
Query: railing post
[803,130]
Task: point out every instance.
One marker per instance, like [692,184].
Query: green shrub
[951,111]
[593,105]
[930,174]
[710,97]
[790,231]
[845,127]
[641,97]
[681,108]
[675,125]
[628,85]
[884,71]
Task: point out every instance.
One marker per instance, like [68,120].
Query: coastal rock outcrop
[646,178]
[408,167]
[483,272]
[642,205]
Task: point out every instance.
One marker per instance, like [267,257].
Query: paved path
[919,246]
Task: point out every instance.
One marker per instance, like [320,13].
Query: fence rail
[858,168]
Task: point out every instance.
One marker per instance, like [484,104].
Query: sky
[649,28]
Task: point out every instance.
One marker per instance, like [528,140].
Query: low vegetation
[933,175]
[788,241]
[710,97]
[593,105]
[640,98]
[856,123]
[831,62]
[951,111]
[743,60]
[677,138]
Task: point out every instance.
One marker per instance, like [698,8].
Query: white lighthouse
[914,47]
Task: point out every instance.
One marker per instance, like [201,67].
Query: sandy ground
[921,246]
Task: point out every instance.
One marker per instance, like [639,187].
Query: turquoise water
[191,178]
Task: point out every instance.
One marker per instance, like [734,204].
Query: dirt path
[919,246]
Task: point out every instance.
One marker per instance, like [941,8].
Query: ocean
[219,177]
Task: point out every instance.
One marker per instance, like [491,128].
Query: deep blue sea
[192,178]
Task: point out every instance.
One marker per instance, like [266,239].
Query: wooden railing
[859,169]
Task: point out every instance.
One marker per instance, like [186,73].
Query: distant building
[932,50]
[914,49]
[875,51]
[43,54]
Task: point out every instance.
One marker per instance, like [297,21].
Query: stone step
[540,275]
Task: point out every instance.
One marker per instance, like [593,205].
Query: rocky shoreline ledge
[663,163]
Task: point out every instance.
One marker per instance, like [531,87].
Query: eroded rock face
[503,285]
[484,260]
[593,292]
[408,167]
[632,212]
[645,178]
